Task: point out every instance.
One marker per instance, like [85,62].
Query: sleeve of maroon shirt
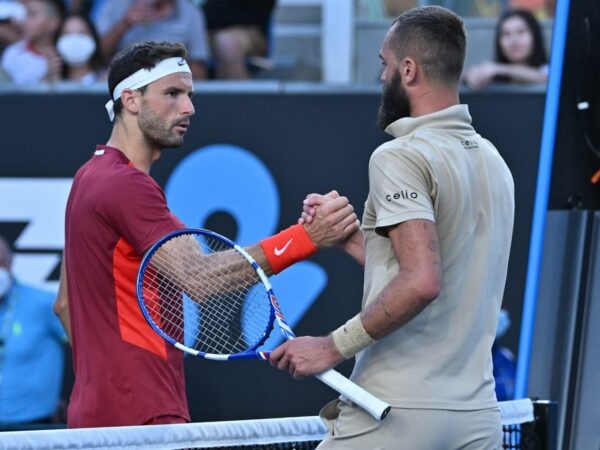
[138,211]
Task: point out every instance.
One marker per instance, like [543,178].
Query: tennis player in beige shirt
[434,241]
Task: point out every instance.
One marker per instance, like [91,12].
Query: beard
[156,131]
[395,103]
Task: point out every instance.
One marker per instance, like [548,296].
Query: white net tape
[202,435]
[197,435]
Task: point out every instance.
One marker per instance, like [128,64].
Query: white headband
[144,77]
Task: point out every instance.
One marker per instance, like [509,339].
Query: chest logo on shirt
[469,143]
[401,195]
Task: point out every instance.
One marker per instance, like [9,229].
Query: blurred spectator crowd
[74,40]
[45,41]
[541,9]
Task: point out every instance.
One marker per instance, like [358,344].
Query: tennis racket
[207,296]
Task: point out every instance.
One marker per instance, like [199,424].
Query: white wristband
[351,337]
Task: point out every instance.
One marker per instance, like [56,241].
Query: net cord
[202,435]
[516,411]
[197,435]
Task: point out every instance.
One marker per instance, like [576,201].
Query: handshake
[328,219]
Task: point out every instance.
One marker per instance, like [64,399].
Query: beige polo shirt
[438,168]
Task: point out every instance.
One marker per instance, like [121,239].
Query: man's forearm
[400,301]
[355,247]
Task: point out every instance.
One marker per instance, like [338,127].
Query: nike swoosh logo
[181,62]
[279,252]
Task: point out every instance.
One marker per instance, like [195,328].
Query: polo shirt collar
[449,118]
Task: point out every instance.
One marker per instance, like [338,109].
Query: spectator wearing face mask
[79,47]
[32,345]
[34,58]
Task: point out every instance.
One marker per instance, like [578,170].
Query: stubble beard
[157,132]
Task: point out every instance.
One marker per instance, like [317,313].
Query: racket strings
[205,295]
[219,319]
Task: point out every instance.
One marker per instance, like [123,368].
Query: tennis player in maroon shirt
[125,374]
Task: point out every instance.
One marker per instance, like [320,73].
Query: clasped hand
[328,219]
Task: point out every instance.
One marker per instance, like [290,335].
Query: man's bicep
[417,248]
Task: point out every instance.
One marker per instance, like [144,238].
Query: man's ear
[130,100]
[408,69]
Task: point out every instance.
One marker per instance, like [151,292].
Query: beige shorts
[409,429]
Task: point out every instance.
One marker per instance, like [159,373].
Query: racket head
[206,295]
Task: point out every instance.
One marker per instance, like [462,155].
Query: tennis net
[525,425]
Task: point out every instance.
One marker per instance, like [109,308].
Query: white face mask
[5,281]
[76,49]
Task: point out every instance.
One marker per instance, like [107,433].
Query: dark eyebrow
[381,57]
[178,90]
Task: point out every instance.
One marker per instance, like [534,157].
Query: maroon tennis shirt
[125,373]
